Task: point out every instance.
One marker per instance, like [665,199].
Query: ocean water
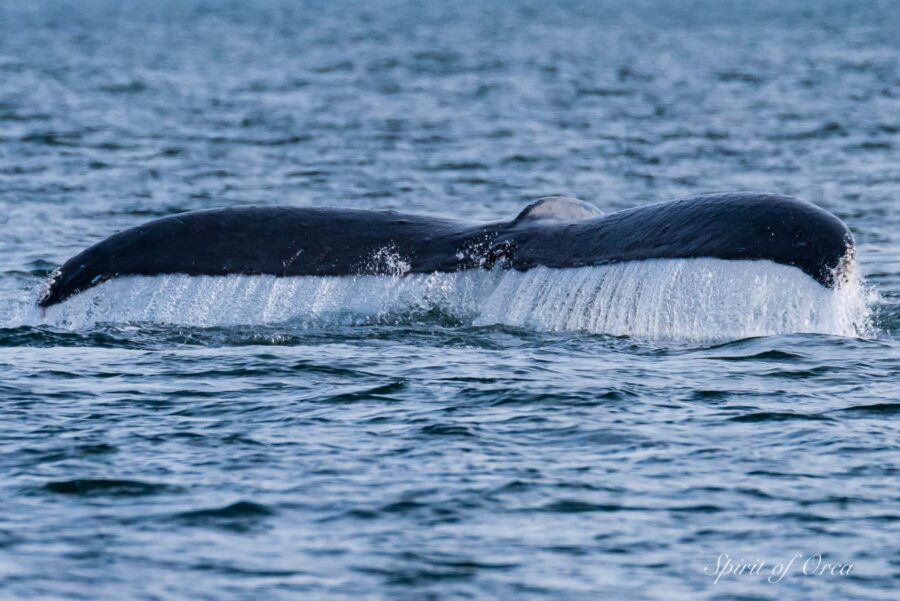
[684,429]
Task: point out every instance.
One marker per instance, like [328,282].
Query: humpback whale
[555,232]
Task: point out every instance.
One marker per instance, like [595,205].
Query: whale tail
[555,232]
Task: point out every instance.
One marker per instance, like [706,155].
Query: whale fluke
[556,232]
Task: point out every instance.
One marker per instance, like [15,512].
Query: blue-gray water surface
[427,458]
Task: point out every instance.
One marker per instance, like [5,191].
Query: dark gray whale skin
[292,241]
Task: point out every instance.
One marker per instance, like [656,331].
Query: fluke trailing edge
[553,232]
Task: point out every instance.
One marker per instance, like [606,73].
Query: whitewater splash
[677,299]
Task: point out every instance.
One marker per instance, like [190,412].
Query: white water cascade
[677,299]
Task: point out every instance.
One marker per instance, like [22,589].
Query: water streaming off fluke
[675,299]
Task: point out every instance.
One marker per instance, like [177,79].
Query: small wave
[875,409]
[673,299]
[239,509]
[777,416]
[84,487]
[241,516]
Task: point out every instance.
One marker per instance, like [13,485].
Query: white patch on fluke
[671,299]
[559,207]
